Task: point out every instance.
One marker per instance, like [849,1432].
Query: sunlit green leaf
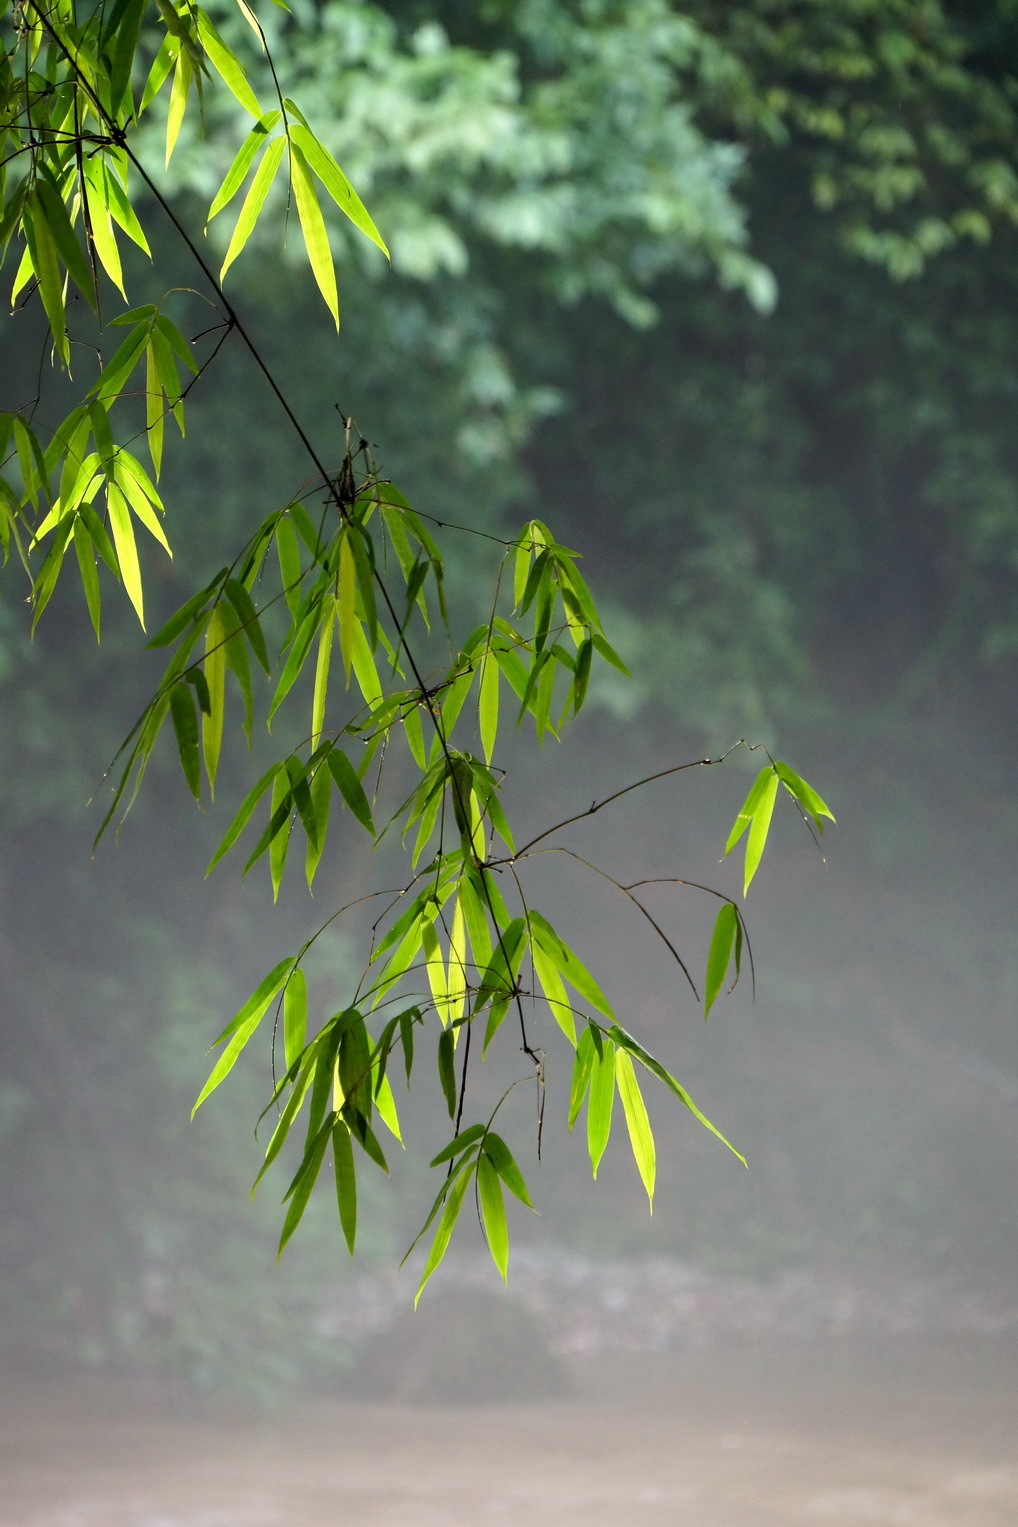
[583,1064]
[640,1134]
[627,1042]
[243,816]
[759,828]
[295,1015]
[335,182]
[569,964]
[501,1158]
[493,1214]
[599,1103]
[299,1190]
[179,92]
[42,251]
[459,1143]
[316,238]
[243,1025]
[254,201]
[215,678]
[227,65]
[749,806]
[804,793]
[85,552]
[450,1214]
[279,840]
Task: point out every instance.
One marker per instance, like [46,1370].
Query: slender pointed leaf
[637,1122]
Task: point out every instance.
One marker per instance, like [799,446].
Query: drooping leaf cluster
[354,579]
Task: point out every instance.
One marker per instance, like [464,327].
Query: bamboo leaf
[493,1214]
[501,1158]
[227,65]
[254,201]
[627,1042]
[346,1182]
[316,238]
[299,1190]
[214,668]
[300,646]
[749,806]
[335,182]
[299,1084]
[140,492]
[569,965]
[101,236]
[457,979]
[554,991]
[637,1122]
[279,842]
[487,704]
[459,1143]
[583,1065]
[321,800]
[450,1214]
[759,828]
[346,606]
[89,575]
[447,1066]
[599,1103]
[184,715]
[243,816]
[804,793]
[720,953]
[295,1016]
[250,621]
[179,92]
[350,788]
[288,552]
[386,1106]
[42,252]
[64,237]
[608,653]
[114,375]
[321,677]
[154,414]
[126,547]
[435,964]
[241,166]
[116,200]
[242,1026]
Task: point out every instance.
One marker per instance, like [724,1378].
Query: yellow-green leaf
[127,550]
[487,704]
[254,201]
[295,1016]
[179,92]
[493,1214]
[335,182]
[759,828]
[640,1134]
[215,678]
[599,1103]
[316,238]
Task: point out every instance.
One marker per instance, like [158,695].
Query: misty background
[727,297]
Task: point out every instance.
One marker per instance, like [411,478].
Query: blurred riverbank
[901,1433]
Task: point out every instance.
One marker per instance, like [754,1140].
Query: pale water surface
[840,1436]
